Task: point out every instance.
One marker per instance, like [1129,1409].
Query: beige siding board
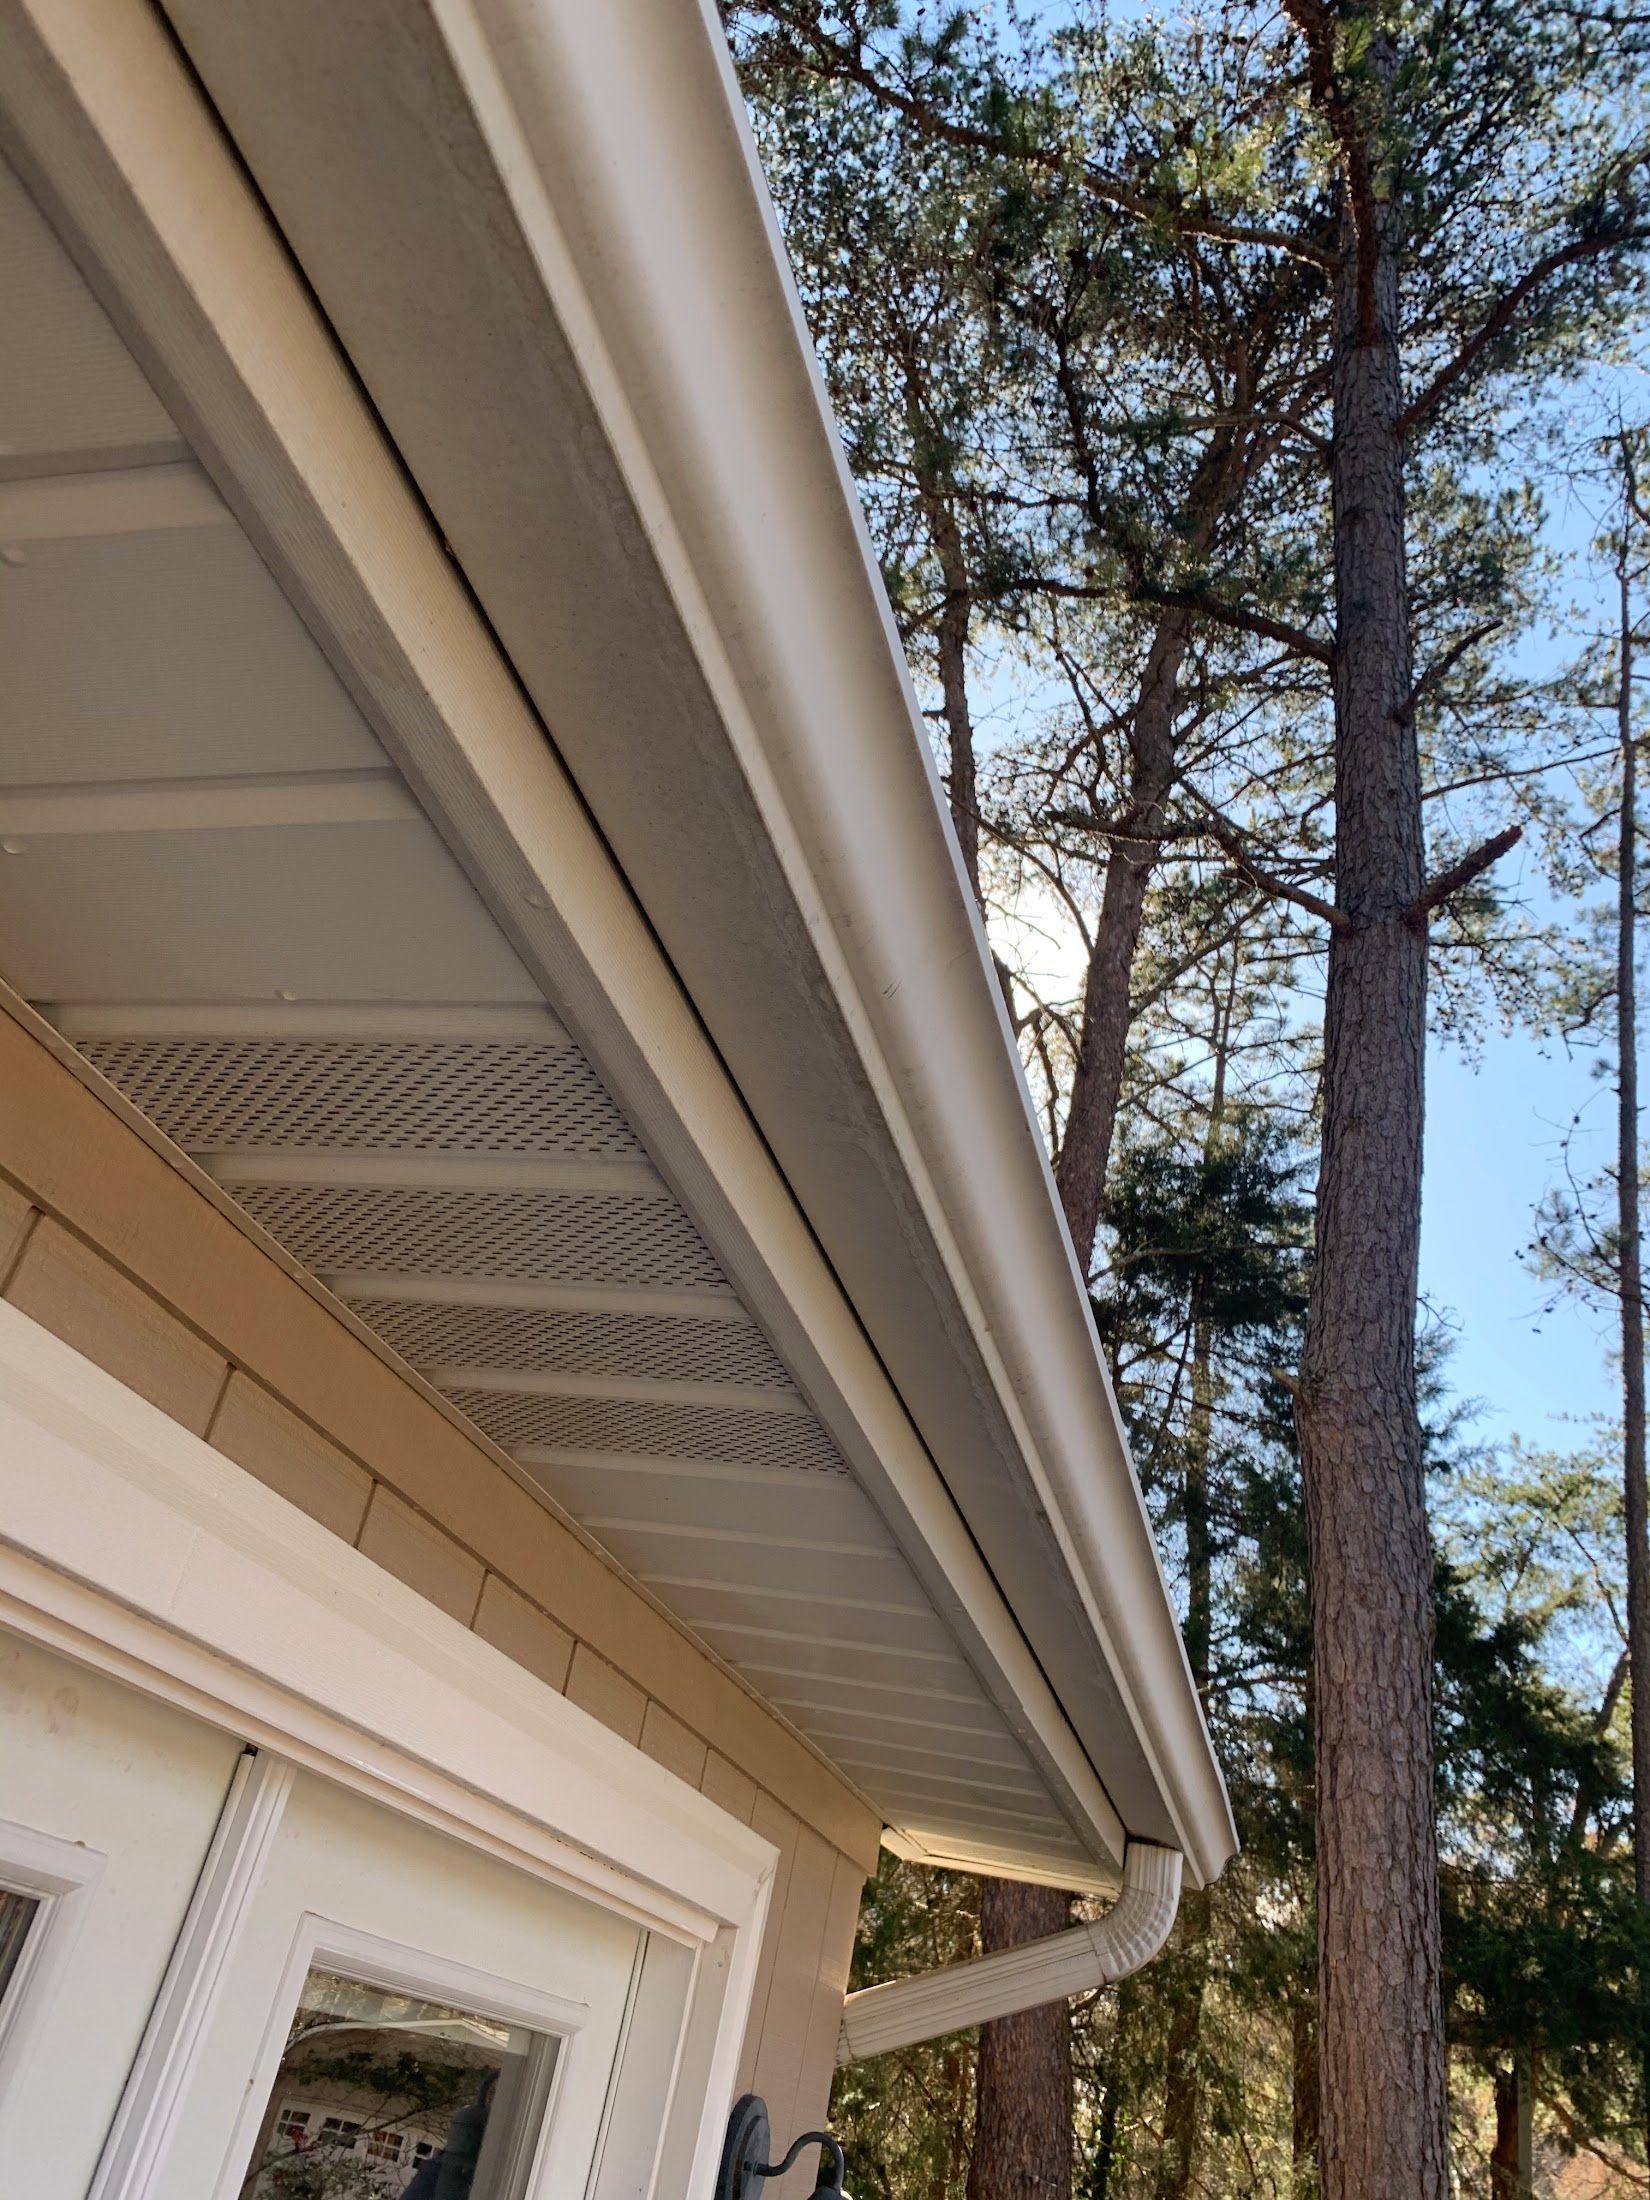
[775,1824]
[15,1215]
[836,1954]
[603,1691]
[412,1548]
[66,1286]
[258,1432]
[729,1788]
[791,1995]
[71,1154]
[515,1625]
[669,1743]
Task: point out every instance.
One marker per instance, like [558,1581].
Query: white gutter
[883,2018]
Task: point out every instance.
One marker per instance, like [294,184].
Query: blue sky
[1493,1135]
[1496,1125]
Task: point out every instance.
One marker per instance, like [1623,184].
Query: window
[18,1915]
[387,2095]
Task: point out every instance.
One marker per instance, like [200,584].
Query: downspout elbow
[882,2018]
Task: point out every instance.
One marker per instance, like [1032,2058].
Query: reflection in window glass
[383,2096]
[17,1913]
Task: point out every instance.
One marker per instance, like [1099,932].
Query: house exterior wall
[107,1244]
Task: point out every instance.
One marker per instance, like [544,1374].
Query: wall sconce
[745,2161]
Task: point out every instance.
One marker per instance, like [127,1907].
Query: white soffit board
[214,882]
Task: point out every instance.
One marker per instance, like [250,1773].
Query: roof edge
[827,937]
[723,383]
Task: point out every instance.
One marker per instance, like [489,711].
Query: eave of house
[538,236]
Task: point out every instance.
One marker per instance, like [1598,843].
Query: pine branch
[835,59]
[1295,639]
[1449,883]
[1506,310]
[1446,663]
[1228,839]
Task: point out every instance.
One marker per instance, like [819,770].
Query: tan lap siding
[107,1244]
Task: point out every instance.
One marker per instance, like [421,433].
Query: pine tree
[1378,159]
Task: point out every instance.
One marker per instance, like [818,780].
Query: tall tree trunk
[1022,2118]
[1380,2045]
[1182,2093]
[1025,2061]
[1097,1079]
[1105,2145]
[1303,2116]
[1629,1259]
[951,655]
[1182,2089]
[1504,2153]
[1512,2158]
[1110,2164]
[1022,2081]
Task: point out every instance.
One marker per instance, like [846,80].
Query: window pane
[383,2096]
[17,1913]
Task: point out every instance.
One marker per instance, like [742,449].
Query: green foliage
[1209,1233]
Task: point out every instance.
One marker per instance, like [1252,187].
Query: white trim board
[134,2154]
[128,1543]
[122,1530]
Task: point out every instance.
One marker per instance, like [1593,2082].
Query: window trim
[60,1876]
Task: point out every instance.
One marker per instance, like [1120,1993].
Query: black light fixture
[745,2161]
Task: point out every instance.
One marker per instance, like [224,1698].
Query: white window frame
[380,1962]
[130,1545]
[59,1876]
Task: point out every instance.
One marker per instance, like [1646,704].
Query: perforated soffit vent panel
[223,893]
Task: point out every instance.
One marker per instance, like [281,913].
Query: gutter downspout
[881,2018]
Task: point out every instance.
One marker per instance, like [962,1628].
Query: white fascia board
[539,230]
[100,113]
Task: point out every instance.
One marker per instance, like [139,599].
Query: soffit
[559,286]
[218,886]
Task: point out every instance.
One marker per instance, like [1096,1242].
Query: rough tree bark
[1511,2157]
[1636,1508]
[1380,2031]
[1097,1078]
[1182,2094]
[1109,2157]
[1182,2088]
[1504,2153]
[1022,2126]
[1022,2118]
[1041,2041]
